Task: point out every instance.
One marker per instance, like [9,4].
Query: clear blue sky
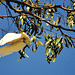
[36,64]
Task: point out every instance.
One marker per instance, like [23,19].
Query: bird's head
[26,39]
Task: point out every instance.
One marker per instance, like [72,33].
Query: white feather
[8,49]
[9,37]
[16,41]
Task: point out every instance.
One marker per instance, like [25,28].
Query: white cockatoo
[15,42]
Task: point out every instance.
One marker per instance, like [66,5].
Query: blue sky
[36,64]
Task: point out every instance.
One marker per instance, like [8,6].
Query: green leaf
[66,44]
[49,10]
[28,8]
[73,26]
[34,50]
[21,29]
[20,58]
[68,7]
[24,17]
[52,53]
[25,54]
[22,53]
[68,38]
[60,50]
[47,15]
[21,21]
[59,45]
[53,60]
[57,29]
[57,41]
[21,17]
[47,24]
[52,15]
[57,21]
[36,47]
[69,26]
[61,40]
[18,6]
[48,51]
[38,37]
[40,42]
[53,21]
[48,60]
[33,37]
[50,4]
[69,41]
[48,35]
[48,41]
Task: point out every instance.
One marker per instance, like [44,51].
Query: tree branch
[44,7]
[7,16]
[21,11]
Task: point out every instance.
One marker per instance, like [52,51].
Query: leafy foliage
[43,20]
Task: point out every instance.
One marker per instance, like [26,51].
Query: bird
[14,42]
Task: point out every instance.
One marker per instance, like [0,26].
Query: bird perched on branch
[15,42]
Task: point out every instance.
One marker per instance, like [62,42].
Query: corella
[15,42]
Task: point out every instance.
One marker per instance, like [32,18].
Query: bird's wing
[14,47]
[9,38]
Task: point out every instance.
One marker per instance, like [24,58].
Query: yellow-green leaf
[40,42]
[28,8]
[47,24]
[53,60]
[21,21]
[25,54]
[66,44]
[47,15]
[57,41]
[48,41]
[57,21]
[48,51]
[33,37]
